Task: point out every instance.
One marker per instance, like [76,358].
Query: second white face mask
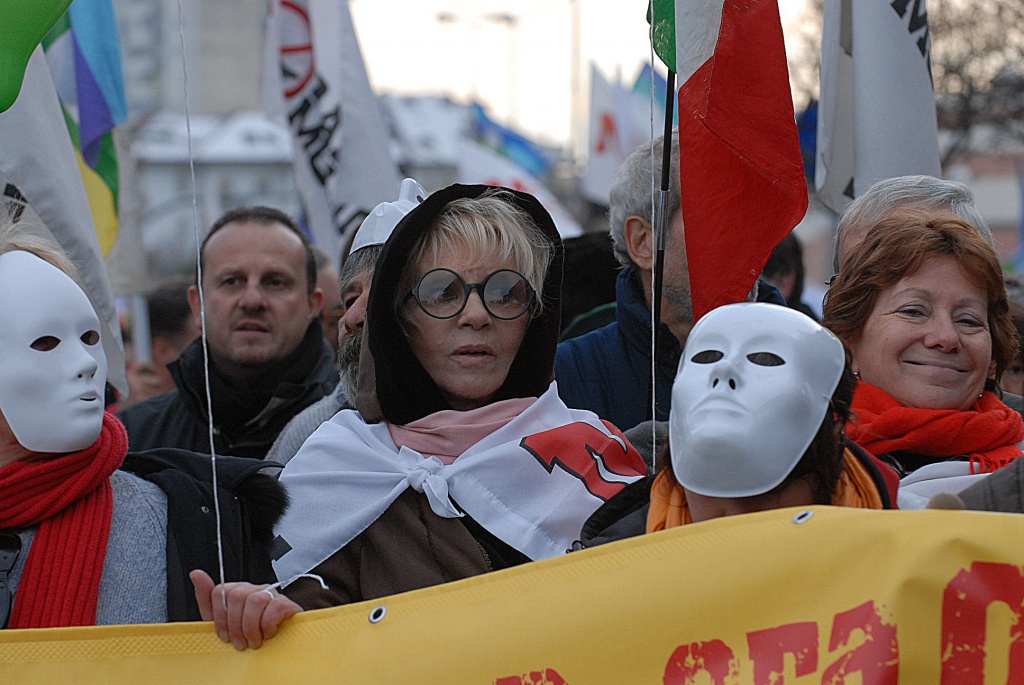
[752,390]
[52,367]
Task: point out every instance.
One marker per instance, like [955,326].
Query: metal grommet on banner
[803,517]
[378,613]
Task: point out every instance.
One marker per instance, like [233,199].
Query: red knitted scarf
[70,498]
[987,432]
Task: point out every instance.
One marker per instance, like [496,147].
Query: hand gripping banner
[822,595]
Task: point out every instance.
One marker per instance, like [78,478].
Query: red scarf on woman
[987,432]
[70,498]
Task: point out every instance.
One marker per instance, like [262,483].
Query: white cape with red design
[532,483]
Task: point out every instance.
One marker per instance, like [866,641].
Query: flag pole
[660,221]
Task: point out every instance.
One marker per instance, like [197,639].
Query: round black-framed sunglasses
[443,294]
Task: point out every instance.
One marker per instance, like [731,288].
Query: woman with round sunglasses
[475,464]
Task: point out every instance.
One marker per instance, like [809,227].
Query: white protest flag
[480,164]
[876,119]
[41,184]
[634,110]
[605,148]
[619,123]
[316,84]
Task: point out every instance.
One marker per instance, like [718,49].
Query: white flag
[41,183]
[605,150]
[315,83]
[877,114]
[480,164]
[619,123]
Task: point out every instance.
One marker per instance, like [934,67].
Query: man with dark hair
[267,356]
[264,216]
[591,270]
[785,270]
[327,279]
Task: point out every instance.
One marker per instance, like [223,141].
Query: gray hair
[632,192]
[909,192]
[358,262]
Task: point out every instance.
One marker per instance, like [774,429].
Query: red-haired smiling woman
[922,306]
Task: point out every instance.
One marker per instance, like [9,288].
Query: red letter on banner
[714,658]
[876,658]
[548,676]
[769,647]
[964,606]
[578,448]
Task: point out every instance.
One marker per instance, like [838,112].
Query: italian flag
[742,177]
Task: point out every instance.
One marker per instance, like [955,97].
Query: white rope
[285,583]
[202,312]
[654,193]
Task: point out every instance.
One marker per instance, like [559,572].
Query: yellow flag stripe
[101,202]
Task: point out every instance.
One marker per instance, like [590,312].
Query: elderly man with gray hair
[921,193]
[608,371]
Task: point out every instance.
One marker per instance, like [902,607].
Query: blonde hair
[14,237]
[489,226]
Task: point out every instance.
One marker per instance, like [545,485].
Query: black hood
[404,390]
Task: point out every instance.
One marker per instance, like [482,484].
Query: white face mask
[753,387]
[52,366]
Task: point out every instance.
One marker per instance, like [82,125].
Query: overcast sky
[515,56]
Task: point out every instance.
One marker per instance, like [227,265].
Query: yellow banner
[826,595]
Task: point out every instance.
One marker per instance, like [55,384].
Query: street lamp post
[510,21]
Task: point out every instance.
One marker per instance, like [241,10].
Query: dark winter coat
[250,505]
[179,418]
[409,547]
[608,371]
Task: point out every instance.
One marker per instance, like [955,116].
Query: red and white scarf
[70,499]
[532,482]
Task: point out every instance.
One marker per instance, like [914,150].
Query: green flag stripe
[107,165]
[663,35]
[62,26]
[76,136]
